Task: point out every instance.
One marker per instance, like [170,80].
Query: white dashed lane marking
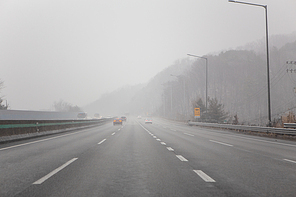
[189,134]
[221,143]
[102,141]
[170,148]
[40,181]
[200,173]
[290,160]
[204,176]
[181,158]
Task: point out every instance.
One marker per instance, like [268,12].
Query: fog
[78,50]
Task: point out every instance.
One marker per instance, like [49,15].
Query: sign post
[197,112]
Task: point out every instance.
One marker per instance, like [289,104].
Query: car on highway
[82,115]
[148,120]
[117,121]
[97,116]
[123,118]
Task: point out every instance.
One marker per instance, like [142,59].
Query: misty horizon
[53,50]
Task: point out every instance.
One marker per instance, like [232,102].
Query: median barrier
[17,127]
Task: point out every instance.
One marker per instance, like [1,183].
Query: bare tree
[65,107]
[1,100]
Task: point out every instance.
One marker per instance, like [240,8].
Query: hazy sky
[76,50]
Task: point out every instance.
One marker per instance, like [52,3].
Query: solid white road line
[38,141]
[163,143]
[220,143]
[204,176]
[102,141]
[40,181]
[170,148]
[271,142]
[189,134]
[290,160]
[181,158]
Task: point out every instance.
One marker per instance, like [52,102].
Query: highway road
[165,158]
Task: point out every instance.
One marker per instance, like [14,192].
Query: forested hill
[237,78]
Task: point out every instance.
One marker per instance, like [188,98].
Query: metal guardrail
[16,127]
[267,130]
[290,125]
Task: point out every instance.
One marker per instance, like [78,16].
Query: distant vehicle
[139,117]
[117,121]
[148,121]
[96,115]
[82,115]
[123,118]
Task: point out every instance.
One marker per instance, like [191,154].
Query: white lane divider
[181,158]
[170,148]
[204,176]
[113,133]
[290,160]
[163,143]
[200,173]
[265,141]
[143,127]
[220,143]
[102,141]
[39,141]
[40,181]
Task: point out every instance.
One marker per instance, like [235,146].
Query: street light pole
[183,92]
[267,54]
[171,99]
[206,78]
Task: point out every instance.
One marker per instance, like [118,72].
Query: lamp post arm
[198,56]
[247,3]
